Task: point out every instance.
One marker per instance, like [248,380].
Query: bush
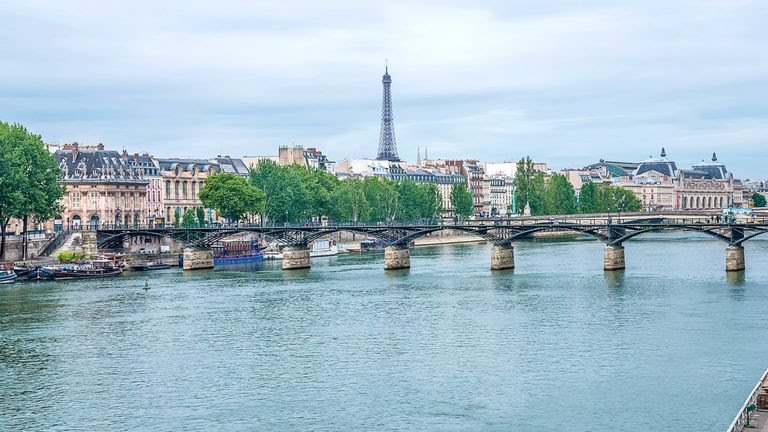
[69,256]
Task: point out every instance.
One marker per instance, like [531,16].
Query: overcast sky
[567,82]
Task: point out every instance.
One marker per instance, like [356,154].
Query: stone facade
[100,188]
[182,180]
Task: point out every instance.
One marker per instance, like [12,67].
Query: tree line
[555,195]
[298,194]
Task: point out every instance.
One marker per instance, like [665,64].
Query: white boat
[324,247]
[320,248]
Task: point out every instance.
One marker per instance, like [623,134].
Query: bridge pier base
[613,258]
[734,258]
[296,257]
[397,257]
[502,257]
[198,258]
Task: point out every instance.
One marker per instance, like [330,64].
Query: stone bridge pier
[502,257]
[296,257]
[613,259]
[734,258]
[196,258]
[397,257]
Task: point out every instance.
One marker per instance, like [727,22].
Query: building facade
[101,187]
[182,180]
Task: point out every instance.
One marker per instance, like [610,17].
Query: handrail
[742,418]
[54,243]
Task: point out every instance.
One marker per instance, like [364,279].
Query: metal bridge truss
[402,235]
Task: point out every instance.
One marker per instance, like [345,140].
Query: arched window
[194,191]
[176,190]
[709,202]
[698,202]
[184,189]
[685,202]
[721,202]
[168,188]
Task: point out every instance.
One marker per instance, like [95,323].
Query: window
[168,188]
[75,197]
[194,192]
[176,190]
[184,189]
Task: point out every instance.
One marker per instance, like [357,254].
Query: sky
[566,82]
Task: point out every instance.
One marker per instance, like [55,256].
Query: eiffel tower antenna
[387,145]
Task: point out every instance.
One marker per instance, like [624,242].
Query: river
[671,343]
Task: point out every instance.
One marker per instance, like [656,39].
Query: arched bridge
[501,233]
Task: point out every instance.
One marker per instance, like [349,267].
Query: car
[145,251]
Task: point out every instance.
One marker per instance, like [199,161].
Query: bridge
[612,230]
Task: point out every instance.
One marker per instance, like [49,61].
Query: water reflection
[614,279]
[735,278]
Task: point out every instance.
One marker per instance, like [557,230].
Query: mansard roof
[661,165]
[106,166]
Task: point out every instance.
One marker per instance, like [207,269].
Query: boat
[324,247]
[320,248]
[7,275]
[150,266]
[89,270]
[237,252]
[34,272]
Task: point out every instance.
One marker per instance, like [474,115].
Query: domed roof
[661,165]
[714,169]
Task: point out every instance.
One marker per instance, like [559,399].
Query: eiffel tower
[387,145]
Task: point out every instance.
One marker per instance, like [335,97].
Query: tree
[462,200]
[758,199]
[382,198]
[349,203]
[189,219]
[285,195]
[201,216]
[559,196]
[28,184]
[537,189]
[588,200]
[523,183]
[231,196]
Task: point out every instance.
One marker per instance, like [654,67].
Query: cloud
[567,82]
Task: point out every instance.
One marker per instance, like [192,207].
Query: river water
[671,343]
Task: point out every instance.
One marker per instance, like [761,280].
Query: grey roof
[186,164]
[105,166]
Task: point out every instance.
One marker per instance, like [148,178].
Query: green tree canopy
[189,219]
[28,179]
[559,197]
[758,199]
[602,198]
[232,196]
[462,200]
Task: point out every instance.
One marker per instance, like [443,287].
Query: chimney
[75,151]
[100,146]
[125,155]
[136,157]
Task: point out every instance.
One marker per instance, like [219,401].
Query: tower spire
[387,146]
[418,156]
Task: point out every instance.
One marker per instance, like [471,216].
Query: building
[101,187]
[182,180]
[309,157]
[230,165]
[150,171]
[661,185]
[500,190]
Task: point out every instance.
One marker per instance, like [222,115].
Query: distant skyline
[566,82]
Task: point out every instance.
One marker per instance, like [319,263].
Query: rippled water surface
[672,343]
